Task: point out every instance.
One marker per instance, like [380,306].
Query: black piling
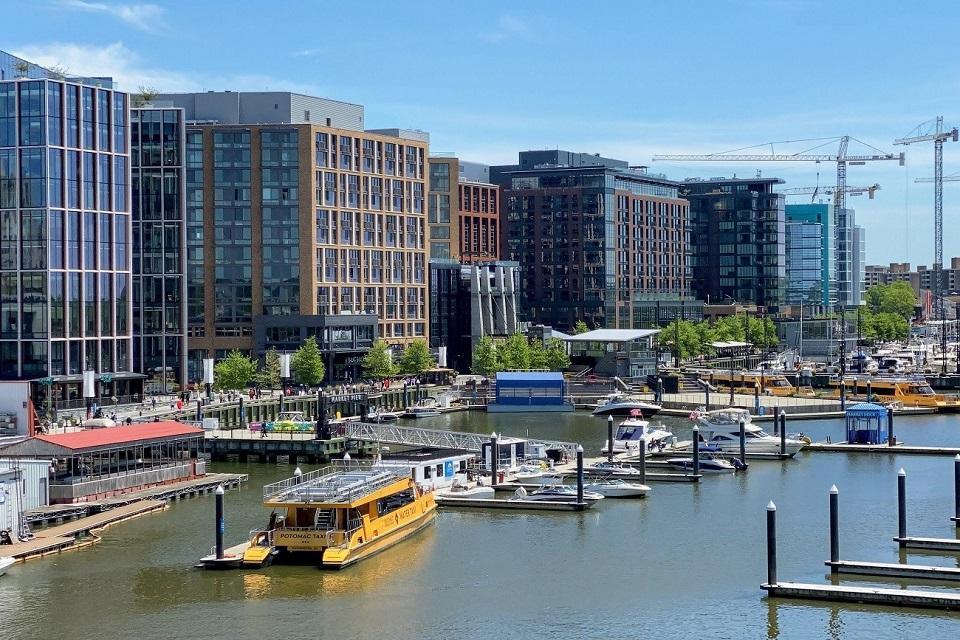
[771,543]
[706,390]
[494,459]
[834,527]
[642,460]
[219,523]
[696,451]
[579,474]
[956,490]
[891,439]
[743,442]
[610,438]
[199,410]
[783,432]
[902,507]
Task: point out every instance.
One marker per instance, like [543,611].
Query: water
[685,563]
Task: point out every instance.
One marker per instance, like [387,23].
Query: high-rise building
[65,234]
[294,210]
[737,240]
[157,152]
[591,235]
[858,265]
[464,212]
[809,255]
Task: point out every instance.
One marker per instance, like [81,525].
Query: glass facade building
[159,247]
[810,249]
[65,236]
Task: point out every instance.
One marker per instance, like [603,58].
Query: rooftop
[95,439]
[612,335]
[529,375]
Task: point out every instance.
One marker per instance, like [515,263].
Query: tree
[486,359]
[557,357]
[306,365]
[580,327]
[144,96]
[416,358]
[234,372]
[377,363]
[538,355]
[897,298]
[22,68]
[269,374]
[515,352]
[728,329]
[682,338]
[889,326]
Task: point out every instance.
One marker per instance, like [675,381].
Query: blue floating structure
[866,423]
[530,391]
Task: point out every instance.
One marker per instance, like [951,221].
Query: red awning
[119,435]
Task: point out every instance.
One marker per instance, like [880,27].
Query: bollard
[579,474]
[783,432]
[642,460]
[956,490]
[891,439]
[834,527]
[902,506]
[743,442]
[771,544]
[219,524]
[494,459]
[610,438]
[696,451]
[199,411]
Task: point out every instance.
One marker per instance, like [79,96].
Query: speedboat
[616,488]
[381,416]
[5,561]
[612,467]
[557,493]
[529,473]
[620,404]
[426,408]
[711,461]
[632,430]
[721,428]
[462,491]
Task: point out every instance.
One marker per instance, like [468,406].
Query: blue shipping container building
[523,391]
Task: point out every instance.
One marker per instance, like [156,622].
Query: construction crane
[829,191]
[841,232]
[938,136]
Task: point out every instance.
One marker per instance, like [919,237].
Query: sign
[106,378]
[353,360]
[300,539]
[448,469]
[348,397]
[46,381]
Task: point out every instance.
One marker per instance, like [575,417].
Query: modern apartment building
[809,255]
[293,210]
[921,279]
[158,199]
[65,236]
[591,235]
[463,212]
[737,240]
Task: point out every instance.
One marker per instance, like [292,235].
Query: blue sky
[626,79]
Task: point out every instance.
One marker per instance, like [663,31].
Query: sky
[623,79]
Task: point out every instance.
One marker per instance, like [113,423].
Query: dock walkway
[881,448]
[888,597]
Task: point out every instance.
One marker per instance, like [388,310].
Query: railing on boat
[341,481]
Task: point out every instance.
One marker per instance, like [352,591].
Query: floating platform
[522,505]
[885,597]
[935,544]
[890,570]
[897,449]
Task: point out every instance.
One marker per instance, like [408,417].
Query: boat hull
[5,563]
[626,408]
[706,466]
[380,543]
[628,491]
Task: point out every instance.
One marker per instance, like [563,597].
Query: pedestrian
[154,403]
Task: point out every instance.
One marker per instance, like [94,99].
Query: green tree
[897,298]
[682,338]
[376,364]
[486,358]
[728,329]
[235,371]
[557,357]
[416,358]
[269,374]
[538,354]
[515,352]
[889,326]
[580,327]
[306,365]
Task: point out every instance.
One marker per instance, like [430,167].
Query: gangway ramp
[393,433]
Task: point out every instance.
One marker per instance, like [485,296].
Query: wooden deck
[938,544]
[886,597]
[882,448]
[891,570]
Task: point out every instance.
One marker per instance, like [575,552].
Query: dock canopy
[866,423]
[612,335]
[60,444]
[542,388]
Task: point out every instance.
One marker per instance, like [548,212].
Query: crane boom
[829,191]
[776,157]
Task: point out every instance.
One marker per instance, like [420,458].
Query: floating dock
[896,449]
[887,597]
[516,504]
[891,570]
[936,544]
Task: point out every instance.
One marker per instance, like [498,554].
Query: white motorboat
[721,428]
[712,460]
[556,493]
[620,404]
[616,488]
[529,473]
[632,430]
[461,491]
[426,408]
[5,562]
[381,416]
[612,467]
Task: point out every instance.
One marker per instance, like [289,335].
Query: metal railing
[342,481]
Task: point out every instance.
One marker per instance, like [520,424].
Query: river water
[685,563]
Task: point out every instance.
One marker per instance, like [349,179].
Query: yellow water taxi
[770,383]
[909,392]
[340,514]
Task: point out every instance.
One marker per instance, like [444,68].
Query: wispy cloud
[509,27]
[146,17]
[306,53]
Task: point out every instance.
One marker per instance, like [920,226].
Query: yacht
[712,460]
[620,404]
[721,428]
[463,491]
[426,408]
[632,430]
[615,488]
[557,493]
[528,473]
[5,561]
[611,468]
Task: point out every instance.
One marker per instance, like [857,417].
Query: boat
[712,460]
[617,488]
[464,491]
[721,428]
[620,404]
[612,467]
[425,408]
[5,562]
[556,493]
[632,430]
[529,473]
[909,391]
[341,514]
[381,416]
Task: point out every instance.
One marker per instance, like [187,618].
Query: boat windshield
[629,433]
[921,389]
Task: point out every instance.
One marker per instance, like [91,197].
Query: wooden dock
[898,449]
[79,533]
[515,504]
[891,570]
[886,597]
[935,544]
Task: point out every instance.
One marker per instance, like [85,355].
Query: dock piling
[902,507]
[956,490]
[494,459]
[696,450]
[834,528]
[783,432]
[771,543]
[610,438]
[743,442]
[642,460]
[579,474]
[220,523]
[891,439]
